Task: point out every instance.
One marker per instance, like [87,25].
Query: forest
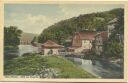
[64,29]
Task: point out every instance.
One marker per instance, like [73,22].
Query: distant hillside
[60,31]
[27,36]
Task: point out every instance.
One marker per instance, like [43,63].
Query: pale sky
[34,18]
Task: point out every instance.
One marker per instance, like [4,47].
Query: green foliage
[60,31]
[27,65]
[34,40]
[10,47]
[114,46]
[11,41]
[120,24]
[10,52]
[113,49]
[33,64]
[67,68]
[12,36]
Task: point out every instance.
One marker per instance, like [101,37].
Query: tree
[11,41]
[12,36]
[114,46]
[62,30]
[34,40]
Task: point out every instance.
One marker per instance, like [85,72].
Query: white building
[82,41]
[111,26]
[100,38]
[50,48]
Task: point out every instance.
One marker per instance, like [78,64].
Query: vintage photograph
[84,41]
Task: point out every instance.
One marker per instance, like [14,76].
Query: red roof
[51,44]
[104,35]
[79,36]
[87,35]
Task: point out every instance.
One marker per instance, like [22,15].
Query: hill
[60,31]
[27,37]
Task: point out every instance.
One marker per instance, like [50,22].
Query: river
[99,68]
[27,49]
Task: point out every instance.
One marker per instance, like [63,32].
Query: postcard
[63,41]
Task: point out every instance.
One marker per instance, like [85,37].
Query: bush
[10,47]
[10,52]
[27,54]
[28,65]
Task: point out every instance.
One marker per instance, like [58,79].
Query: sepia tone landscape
[64,41]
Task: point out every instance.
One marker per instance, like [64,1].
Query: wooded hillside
[60,31]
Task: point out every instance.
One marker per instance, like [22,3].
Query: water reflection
[99,68]
[27,49]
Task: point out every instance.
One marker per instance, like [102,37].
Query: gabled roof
[103,34]
[51,44]
[87,35]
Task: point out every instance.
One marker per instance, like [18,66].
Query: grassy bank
[35,65]
[67,68]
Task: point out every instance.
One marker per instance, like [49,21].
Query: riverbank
[99,68]
[114,60]
[68,68]
[45,67]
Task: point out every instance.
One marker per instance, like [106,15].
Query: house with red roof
[82,41]
[50,48]
[89,40]
[100,38]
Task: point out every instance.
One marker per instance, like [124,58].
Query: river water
[27,49]
[99,68]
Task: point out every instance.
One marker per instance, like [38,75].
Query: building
[111,26]
[100,38]
[82,41]
[50,48]
[26,38]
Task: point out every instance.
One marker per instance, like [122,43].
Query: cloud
[30,23]
[71,10]
[34,19]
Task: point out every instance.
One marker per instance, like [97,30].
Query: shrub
[10,52]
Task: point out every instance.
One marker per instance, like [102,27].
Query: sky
[34,18]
